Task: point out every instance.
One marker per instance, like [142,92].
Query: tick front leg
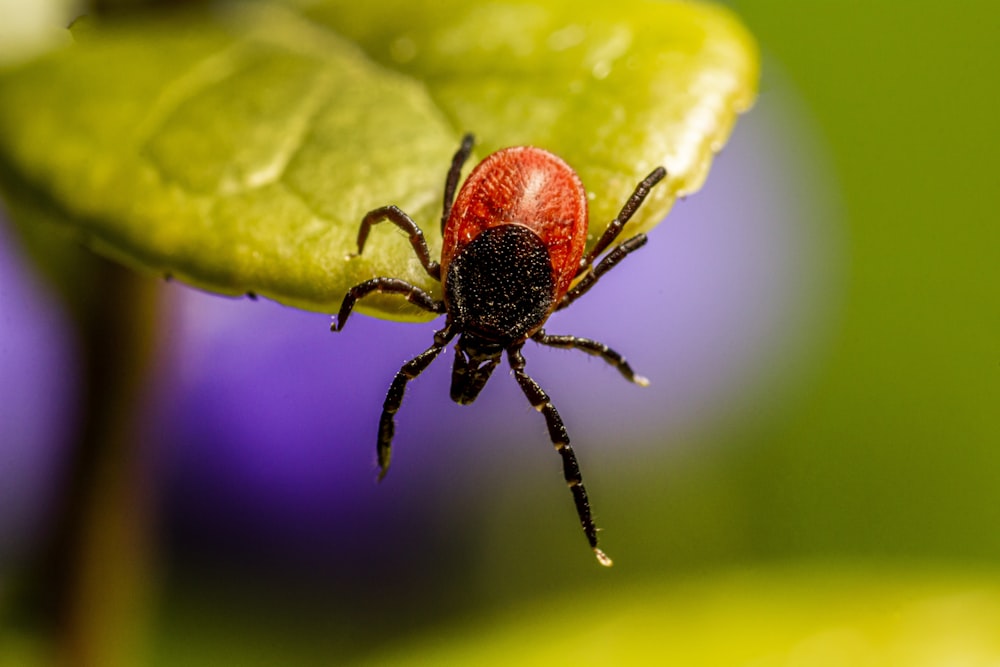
[396,216]
[593,348]
[394,397]
[560,439]
[413,294]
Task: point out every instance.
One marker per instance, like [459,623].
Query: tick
[513,253]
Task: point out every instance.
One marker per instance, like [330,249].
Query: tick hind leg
[451,182]
[608,262]
[394,397]
[614,229]
[628,210]
[560,439]
[396,216]
[593,348]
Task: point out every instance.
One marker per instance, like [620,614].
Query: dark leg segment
[397,217]
[413,294]
[560,439]
[594,348]
[628,210]
[451,183]
[608,262]
[394,397]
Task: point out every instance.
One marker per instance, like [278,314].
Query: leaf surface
[237,149]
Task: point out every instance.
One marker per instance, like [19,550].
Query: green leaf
[237,149]
[793,616]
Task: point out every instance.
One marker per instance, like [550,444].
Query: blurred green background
[893,449]
[845,514]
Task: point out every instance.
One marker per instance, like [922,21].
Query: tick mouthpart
[474,363]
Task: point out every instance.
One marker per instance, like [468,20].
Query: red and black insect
[513,247]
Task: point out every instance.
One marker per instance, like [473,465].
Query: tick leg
[560,439]
[394,397]
[396,216]
[413,294]
[594,348]
[608,262]
[628,210]
[451,183]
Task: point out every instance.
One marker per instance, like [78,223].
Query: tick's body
[529,187]
[513,245]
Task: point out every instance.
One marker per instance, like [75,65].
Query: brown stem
[89,591]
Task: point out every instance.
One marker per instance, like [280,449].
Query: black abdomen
[500,285]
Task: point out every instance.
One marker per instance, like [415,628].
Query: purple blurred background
[37,395]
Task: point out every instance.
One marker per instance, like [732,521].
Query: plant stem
[90,590]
